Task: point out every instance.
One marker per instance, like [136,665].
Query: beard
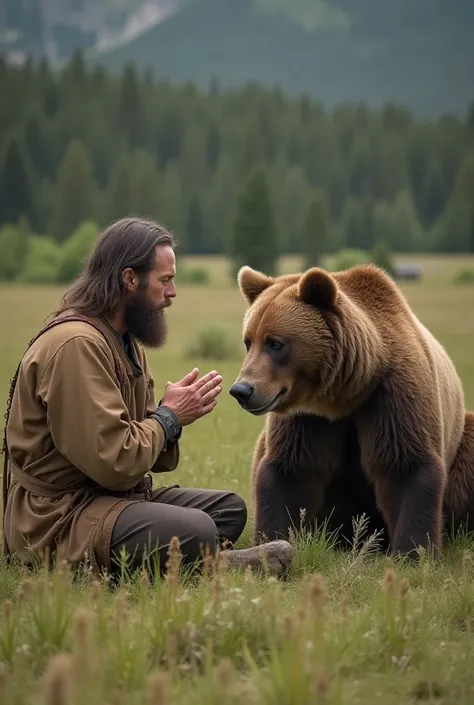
[146,321]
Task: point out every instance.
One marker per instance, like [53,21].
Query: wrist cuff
[170,422]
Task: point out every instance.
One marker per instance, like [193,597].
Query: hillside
[419,53]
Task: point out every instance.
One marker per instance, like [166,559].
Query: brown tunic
[80,444]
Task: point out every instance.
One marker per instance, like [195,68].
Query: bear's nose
[242,391]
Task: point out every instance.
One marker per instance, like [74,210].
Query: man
[84,428]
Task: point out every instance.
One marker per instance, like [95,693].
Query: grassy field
[351,628]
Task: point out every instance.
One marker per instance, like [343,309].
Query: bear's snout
[254,399]
[242,391]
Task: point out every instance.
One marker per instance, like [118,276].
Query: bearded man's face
[145,320]
[144,313]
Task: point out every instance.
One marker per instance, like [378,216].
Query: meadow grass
[351,627]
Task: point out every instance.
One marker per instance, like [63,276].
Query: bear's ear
[318,288]
[252,283]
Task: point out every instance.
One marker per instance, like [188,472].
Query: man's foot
[273,557]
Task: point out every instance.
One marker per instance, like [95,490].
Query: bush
[347,258]
[14,245]
[213,342]
[193,275]
[382,257]
[464,276]
[75,251]
[42,261]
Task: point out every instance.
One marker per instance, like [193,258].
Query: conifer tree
[254,238]
[195,235]
[75,192]
[316,231]
[130,120]
[16,196]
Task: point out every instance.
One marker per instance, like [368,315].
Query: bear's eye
[274,344]
[247,344]
[277,350]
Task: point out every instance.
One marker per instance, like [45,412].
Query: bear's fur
[365,409]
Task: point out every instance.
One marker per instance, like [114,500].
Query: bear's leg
[294,461]
[412,507]
[459,499]
[279,501]
[257,458]
[348,496]
[409,477]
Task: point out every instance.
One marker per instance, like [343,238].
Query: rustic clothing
[197,517]
[80,443]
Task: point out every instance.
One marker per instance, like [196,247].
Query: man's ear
[252,283]
[129,279]
[318,288]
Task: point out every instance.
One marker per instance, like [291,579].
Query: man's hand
[190,399]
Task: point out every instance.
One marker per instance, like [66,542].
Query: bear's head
[291,329]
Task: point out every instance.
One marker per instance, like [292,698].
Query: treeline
[82,145]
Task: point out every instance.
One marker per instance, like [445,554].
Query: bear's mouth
[270,406]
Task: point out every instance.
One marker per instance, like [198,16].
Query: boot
[273,558]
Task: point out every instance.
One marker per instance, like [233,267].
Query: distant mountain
[415,52]
[55,28]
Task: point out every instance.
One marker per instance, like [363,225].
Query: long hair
[128,242]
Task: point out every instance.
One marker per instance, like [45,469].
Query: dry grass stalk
[224,673]
[173,564]
[82,643]
[159,689]
[57,680]
[389,580]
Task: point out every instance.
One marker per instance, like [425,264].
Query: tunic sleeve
[89,421]
[169,457]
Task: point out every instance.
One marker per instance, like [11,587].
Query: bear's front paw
[274,557]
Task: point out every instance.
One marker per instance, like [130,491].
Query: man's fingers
[212,384]
[211,378]
[211,395]
[188,379]
[206,378]
[209,407]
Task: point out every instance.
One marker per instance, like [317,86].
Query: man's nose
[242,391]
[171,290]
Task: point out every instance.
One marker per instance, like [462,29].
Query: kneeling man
[84,429]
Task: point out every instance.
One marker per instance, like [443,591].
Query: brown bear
[365,410]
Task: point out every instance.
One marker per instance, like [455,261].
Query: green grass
[366,631]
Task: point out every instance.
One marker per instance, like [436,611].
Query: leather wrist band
[169,421]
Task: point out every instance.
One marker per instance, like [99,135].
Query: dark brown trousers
[199,518]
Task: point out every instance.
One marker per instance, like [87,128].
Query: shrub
[193,275]
[75,250]
[213,342]
[14,244]
[42,261]
[347,258]
[464,276]
[382,257]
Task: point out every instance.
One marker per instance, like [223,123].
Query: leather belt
[47,489]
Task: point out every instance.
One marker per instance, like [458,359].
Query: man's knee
[203,534]
[234,516]
[147,530]
[241,509]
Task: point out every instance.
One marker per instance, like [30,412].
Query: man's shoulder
[65,333]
